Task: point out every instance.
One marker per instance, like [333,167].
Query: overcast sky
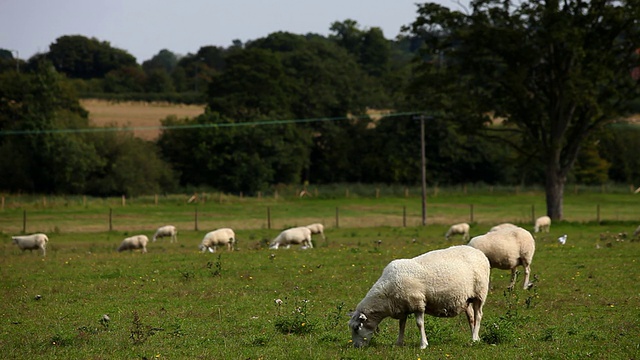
[144,27]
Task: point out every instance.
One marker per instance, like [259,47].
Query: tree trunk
[554,192]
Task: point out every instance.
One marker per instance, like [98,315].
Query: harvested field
[137,114]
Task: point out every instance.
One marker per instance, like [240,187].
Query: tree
[165,60]
[556,72]
[80,57]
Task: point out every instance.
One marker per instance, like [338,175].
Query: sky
[144,27]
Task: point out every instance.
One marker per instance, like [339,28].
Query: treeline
[283,109]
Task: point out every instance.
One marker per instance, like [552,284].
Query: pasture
[175,302]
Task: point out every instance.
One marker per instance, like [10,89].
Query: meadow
[175,302]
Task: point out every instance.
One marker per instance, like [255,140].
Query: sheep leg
[514,275]
[423,335]
[402,322]
[527,271]
[474,315]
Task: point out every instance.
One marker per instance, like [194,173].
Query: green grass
[175,302]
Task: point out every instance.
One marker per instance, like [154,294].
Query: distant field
[137,114]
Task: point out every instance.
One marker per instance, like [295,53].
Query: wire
[198,126]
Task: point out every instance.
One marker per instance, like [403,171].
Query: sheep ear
[363,317]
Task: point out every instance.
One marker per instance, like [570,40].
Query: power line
[197,126]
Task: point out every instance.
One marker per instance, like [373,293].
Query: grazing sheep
[317,228]
[32,242]
[458,229]
[637,231]
[441,283]
[506,249]
[295,236]
[164,231]
[543,223]
[502,226]
[134,243]
[219,237]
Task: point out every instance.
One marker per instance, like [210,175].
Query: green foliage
[80,57]
[532,65]
[297,322]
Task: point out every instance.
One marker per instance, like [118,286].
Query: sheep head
[361,329]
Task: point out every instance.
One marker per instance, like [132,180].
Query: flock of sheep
[211,241]
[442,283]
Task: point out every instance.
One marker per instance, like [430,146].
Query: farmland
[175,302]
[136,114]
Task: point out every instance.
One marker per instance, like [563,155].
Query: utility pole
[424,170]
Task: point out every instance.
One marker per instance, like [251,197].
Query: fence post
[471,213]
[533,213]
[156,199]
[124,201]
[268,218]
[24,221]
[404,216]
[110,219]
[598,213]
[337,218]
[196,219]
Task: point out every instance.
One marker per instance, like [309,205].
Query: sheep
[164,231]
[134,242]
[296,236]
[458,229]
[32,242]
[543,223]
[219,237]
[317,228]
[506,249]
[502,226]
[441,283]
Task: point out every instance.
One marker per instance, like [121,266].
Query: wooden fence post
[533,213]
[196,219]
[404,216]
[598,213]
[268,218]
[471,213]
[337,218]
[24,221]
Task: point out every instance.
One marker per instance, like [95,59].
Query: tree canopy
[554,71]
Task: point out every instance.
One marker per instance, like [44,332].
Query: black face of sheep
[360,332]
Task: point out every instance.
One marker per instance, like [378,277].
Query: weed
[217,266]
[549,334]
[141,332]
[186,275]
[336,318]
[298,322]
[61,340]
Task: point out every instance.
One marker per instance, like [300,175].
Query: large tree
[554,71]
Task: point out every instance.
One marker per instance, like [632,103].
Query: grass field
[136,114]
[177,303]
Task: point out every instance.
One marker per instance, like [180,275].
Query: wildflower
[278,302]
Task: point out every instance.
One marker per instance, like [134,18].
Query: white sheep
[458,229]
[219,237]
[296,236]
[637,231]
[165,231]
[317,228]
[441,283]
[543,223]
[32,242]
[506,249]
[502,226]
[134,243]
